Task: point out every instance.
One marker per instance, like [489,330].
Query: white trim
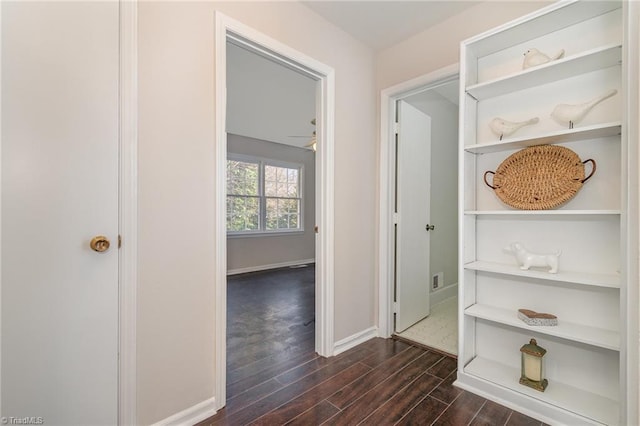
[232,30]
[220,261]
[630,371]
[128,212]
[192,415]
[386,216]
[542,411]
[325,99]
[443,294]
[0,207]
[354,340]
[270,266]
[388,98]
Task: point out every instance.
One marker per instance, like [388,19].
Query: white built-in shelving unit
[586,353]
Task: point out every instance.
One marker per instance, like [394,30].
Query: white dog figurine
[526,259]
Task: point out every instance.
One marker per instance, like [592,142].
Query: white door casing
[128,221]
[386,252]
[413,174]
[60,112]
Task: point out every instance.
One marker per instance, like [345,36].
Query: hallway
[274,376]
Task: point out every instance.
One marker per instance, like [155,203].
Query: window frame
[262,197]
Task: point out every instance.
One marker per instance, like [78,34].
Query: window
[263,196]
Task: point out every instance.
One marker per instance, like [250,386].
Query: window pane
[270,173]
[270,181]
[283,213]
[281,181]
[242,178]
[292,175]
[270,187]
[292,190]
[272,214]
[243,213]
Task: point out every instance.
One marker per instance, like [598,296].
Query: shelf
[596,131]
[543,22]
[575,400]
[582,278]
[592,60]
[593,336]
[542,212]
[594,36]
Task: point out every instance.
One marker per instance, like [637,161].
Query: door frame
[386,250]
[127,209]
[128,213]
[227,28]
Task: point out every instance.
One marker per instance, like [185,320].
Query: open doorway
[419,223]
[322,77]
[270,218]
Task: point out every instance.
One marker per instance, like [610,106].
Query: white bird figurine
[502,127]
[565,113]
[533,57]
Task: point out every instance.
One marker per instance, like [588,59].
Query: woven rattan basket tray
[539,177]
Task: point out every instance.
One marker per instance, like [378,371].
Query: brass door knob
[100,244]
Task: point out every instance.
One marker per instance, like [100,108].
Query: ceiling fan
[312,141]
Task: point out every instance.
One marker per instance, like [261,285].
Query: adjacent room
[270,217]
[426,233]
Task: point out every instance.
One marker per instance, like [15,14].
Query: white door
[59,190]
[413,165]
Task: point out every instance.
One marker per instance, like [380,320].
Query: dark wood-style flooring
[274,377]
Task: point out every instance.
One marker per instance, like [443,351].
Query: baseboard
[191,415]
[271,266]
[354,340]
[444,293]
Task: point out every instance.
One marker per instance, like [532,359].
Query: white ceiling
[381,24]
[268,101]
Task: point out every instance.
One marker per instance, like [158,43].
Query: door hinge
[315,229]
[396,128]
[119,241]
[396,218]
[395,307]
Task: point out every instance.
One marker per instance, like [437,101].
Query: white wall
[266,100]
[175,321]
[176,318]
[444,183]
[259,252]
[439,46]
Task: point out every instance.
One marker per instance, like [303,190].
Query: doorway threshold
[438,331]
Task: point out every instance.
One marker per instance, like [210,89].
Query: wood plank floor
[380,382]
